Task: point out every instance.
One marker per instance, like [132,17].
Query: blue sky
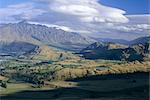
[122,19]
[5,3]
[130,6]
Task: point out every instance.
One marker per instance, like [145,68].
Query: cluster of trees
[3,84]
[34,79]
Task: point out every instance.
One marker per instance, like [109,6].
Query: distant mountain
[24,32]
[112,51]
[140,40]
[120,41]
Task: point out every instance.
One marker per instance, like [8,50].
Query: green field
[119,87]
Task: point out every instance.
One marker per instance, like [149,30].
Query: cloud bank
[88,10]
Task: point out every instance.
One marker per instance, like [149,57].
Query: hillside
[52,54]
[112,51]
[16,48]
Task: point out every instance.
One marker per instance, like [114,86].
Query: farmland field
[111,87]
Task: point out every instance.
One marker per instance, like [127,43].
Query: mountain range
[140,40]
[40,34]
[21,38]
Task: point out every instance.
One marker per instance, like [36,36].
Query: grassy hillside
[48,53]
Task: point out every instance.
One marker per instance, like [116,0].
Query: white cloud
[132,28]
[19,12]
[52,25]
[139,19]
[88,10]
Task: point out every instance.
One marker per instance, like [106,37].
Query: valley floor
[133,86]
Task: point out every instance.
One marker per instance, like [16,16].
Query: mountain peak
[23,22]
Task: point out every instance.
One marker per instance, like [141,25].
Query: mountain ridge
[42,35]
[125,42]
[112,51]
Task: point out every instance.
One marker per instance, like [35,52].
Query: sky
[130,6]
[117,19]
